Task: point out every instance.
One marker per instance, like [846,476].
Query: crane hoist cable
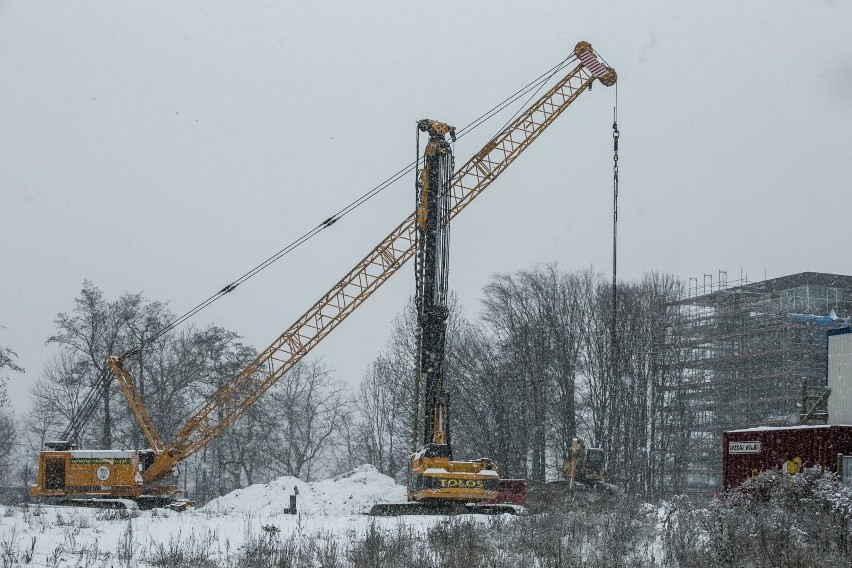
[533,87]
[536,83]
[553,72]
[615,136]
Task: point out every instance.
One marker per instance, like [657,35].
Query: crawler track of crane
[441,508]
[143,503]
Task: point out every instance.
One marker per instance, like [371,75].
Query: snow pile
[355,492]
[351,493]
[271,498]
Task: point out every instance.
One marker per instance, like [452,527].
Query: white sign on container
[743,447]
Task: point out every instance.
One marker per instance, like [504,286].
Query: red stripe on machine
[591,62]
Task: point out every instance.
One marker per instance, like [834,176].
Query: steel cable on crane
[615,136]
[543,82]
[533,86]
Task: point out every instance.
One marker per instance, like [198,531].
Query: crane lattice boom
[372,271]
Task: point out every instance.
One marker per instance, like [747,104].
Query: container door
[846,470]
[54,473]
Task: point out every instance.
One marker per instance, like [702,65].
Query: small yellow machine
[71,476]
[100,478]
[106,473]
[442,479]
[585,465]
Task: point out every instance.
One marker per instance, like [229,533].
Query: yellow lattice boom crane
[68,473]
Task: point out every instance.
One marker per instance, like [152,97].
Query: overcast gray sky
[166,147]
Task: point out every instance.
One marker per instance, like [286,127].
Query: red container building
[511,492]
[746,453]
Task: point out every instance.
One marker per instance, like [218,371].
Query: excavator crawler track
[441,508]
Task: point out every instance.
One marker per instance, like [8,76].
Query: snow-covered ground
[251,527]
[331,509]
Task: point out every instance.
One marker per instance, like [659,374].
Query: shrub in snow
[773,519]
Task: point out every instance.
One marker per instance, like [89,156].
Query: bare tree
[562,301]
[173,374]
[632,390]
[58,393]
[387,394]
[7,361]
[384,408]
[486,404]
[542,367]
[671,416]
[535,317]
[8,428]
[8,443]
[94,329]
[306,410]
[387,413]
[211,358]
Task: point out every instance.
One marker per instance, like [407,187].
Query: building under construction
[747,351]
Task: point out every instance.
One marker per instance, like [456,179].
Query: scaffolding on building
[752,354]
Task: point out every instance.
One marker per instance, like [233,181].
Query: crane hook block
[589,59]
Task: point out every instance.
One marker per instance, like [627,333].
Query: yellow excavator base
[88,473]
[439,479]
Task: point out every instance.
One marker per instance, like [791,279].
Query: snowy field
[62,536]
[775,520]
[330,510]
[331,516]
[251,527]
